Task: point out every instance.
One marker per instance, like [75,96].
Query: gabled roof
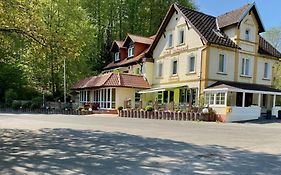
[119,44]
[236,16]
[267,49]
[126,62]
[112,80]
[205,25]
[137,39]
[242,86]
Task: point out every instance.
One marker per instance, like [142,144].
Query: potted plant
[120,108]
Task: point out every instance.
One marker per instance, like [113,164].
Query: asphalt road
[103,144]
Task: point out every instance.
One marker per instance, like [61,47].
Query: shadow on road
[67,151]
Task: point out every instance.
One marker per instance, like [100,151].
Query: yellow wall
[214,64]
[123,94]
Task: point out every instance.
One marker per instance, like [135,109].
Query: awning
[226,86]
[163,88]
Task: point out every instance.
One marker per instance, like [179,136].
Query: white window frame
[211,99]
[131,51]
[246,71]
[117,56]
[181,37]
[189,64]
[83,95]
[170,42]
[224,63]
[101,97]
[172,72]
[266,70]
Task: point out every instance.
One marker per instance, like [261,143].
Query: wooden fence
[167,115]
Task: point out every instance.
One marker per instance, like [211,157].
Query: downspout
[200,70]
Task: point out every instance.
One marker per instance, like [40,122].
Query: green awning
[162,88]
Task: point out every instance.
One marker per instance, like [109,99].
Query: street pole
[64,80]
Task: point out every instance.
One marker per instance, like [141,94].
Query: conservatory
[235,101]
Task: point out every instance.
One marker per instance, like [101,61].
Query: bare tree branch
[19,31]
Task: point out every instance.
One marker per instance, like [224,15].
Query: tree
[273,35]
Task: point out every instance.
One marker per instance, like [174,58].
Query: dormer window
[247,35]
[117,56]
[131,51]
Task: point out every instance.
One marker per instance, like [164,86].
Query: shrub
[10,95]
[16,105]
[26,105]
[80,108]
[149,108]
[36,103]
[120,108]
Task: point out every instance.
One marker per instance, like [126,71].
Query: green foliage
[26,105]
[16,105]
[36,103]
[10,95]
[149,108]
[120,108]
[37,36]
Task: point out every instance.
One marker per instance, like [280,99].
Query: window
[220,98]
[105,98]
[143,69]
[159,97]
[184,95]
[245,67]
[84,96]
[131,51]
[159,69]
[175,67]
[210,99]
[191,64]
[181,36]
[170,40]
[266,71]
[116,56]
[247,35]
[222,63]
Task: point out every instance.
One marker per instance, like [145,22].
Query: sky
[269,10]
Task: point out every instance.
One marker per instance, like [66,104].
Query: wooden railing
[167,115]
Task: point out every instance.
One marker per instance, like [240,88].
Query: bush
[120,108]
[36,103]
[10,95]
[26,105]
[16,105]
[149,108]
[80,108]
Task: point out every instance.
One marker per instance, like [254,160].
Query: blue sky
[269,10]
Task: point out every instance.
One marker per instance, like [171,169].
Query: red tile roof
[112,80]
[140,39]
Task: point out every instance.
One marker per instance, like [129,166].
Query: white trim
[240,90]
[243,99]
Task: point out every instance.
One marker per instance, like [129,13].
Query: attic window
[218,33]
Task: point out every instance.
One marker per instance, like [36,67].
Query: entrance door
[239,99]
[248,99]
